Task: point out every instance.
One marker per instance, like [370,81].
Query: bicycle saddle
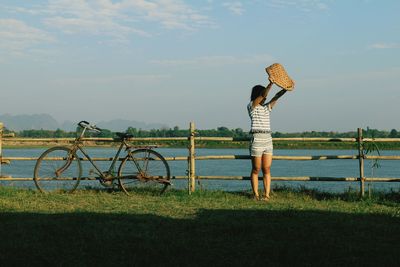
[124,135]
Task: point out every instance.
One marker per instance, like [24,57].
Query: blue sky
[176,61]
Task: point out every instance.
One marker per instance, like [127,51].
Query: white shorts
[261,143]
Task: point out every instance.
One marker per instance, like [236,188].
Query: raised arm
[276,97]
[260,99]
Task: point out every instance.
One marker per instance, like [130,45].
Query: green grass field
[207,228]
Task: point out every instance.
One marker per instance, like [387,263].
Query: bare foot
[265,198]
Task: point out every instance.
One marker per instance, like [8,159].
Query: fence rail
[191,158]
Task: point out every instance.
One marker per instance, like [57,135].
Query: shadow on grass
[212,238]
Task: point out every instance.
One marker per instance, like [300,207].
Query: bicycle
[60,169]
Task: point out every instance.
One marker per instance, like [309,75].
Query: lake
[326,168]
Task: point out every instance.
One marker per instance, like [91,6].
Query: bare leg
[266,168]
[256,166]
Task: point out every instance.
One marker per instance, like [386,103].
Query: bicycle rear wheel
[57,169]
[144,168]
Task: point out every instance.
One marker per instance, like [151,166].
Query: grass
[208,228]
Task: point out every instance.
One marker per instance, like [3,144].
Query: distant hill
[29,122]
[47,122]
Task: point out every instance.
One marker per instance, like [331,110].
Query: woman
[261,140]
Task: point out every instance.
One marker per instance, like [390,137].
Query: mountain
[47,122]
[28,122]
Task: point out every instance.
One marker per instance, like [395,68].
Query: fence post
[361,161]
[191,160]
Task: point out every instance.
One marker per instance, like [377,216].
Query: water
[326,168]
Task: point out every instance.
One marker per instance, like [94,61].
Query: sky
[177,61]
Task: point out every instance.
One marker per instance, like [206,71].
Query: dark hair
[256,92]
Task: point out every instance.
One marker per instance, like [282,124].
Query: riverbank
[207,228]
[215,144]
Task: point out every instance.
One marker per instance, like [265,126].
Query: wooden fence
[191,158]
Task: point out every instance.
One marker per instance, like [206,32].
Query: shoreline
[209,144]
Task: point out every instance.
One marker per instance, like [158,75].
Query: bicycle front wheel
[144,168]
[57,169]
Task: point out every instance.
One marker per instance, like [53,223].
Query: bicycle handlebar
[87,125]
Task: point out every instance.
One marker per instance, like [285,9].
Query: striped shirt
[259,116]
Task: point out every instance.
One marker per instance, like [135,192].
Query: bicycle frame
[113,163]
[78,146]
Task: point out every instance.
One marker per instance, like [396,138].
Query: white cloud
[234,7]
[384,46]
[17,37]
[89,17]
[358,81]
[116,19]
[215,61]
[172,14]
[112,81]
[120,19]
[304,5]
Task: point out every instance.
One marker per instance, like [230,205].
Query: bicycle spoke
[143,168]
[53,174]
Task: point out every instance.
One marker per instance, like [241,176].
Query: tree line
[218,132]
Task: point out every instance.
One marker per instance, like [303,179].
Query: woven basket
[278,76]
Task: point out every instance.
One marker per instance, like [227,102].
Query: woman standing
[261,148]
